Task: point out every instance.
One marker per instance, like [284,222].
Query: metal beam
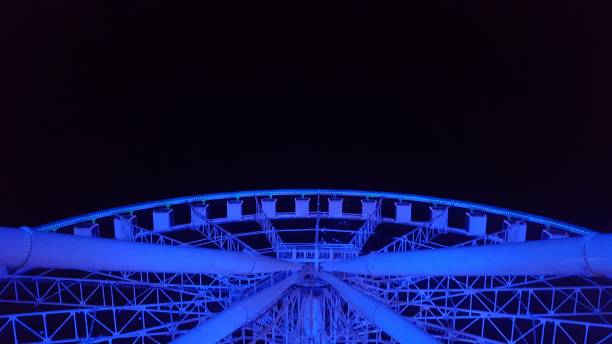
[590,255]
[367,229]
[268,228]
[72,292]
[101,324]
[25,248]
[326,192]
[239,314]
[420,237]
[395,325]
[220,236]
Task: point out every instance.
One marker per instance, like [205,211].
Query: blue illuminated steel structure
[375,267]
[394,324]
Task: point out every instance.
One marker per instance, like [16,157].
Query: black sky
[493,102]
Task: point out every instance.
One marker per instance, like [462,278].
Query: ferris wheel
[306,266]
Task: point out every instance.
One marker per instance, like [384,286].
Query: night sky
[504,103]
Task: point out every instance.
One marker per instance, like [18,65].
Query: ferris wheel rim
[92,216]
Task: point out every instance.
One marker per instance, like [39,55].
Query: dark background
[505,103]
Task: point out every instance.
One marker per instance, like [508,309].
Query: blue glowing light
[303,192]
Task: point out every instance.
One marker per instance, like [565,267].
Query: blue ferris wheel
[306,266]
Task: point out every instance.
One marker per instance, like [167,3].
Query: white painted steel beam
[238,315]
[590,255]
[24,248]
[395,325]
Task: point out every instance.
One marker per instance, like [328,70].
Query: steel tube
[591,255]
[238,315]
[395,325]
[24,248]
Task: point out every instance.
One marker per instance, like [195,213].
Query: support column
[238,315]
[395,325]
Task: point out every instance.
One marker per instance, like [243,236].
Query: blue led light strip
[301,192]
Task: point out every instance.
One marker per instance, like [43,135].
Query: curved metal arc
[331,192]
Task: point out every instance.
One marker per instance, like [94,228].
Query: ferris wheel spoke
[239,314]
[38,249]
[439,318]
[531,257]
[378,313]
[423,237]
[283,313]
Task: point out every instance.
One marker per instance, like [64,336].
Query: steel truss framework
[53,305]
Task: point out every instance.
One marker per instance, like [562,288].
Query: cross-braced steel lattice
[306,266]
